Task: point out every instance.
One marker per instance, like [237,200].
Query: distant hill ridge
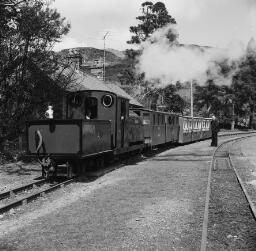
[90,54]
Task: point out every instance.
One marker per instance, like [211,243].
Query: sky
[204,22]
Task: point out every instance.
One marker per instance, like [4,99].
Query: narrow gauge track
[12,202]
[221,157]
[8,199]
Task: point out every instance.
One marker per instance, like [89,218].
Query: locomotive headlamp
[107,100]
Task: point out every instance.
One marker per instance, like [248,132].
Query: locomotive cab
[100,106]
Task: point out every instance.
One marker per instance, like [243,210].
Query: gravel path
[246,166]
[231,223]
[155,204]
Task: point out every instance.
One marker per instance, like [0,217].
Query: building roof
[84,82]
[120,92]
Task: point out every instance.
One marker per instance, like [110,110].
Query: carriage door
[122,120]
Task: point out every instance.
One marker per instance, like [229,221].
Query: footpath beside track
[221,184]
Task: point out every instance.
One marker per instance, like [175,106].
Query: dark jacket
[215,126]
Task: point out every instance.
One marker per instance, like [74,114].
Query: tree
[27,62]
[154,16]
[172,101]
[244,85]
[207,99]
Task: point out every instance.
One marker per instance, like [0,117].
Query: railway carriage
[159,127]
[194,129]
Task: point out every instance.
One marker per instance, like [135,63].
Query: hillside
[90,55]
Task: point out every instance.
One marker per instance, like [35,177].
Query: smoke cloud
[165,63]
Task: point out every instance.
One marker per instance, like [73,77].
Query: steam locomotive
[101,123]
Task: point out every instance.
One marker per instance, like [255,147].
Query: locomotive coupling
[48,167]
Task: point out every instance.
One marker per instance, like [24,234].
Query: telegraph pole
[104,57]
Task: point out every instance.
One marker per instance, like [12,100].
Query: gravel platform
[155,204]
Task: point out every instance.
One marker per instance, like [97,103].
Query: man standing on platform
[215,129]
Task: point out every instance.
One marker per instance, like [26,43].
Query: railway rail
[11,195]
[221,157]
[13,198]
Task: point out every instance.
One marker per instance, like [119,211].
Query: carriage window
[184,124]
[154,119]
[162,119]
[91,108]
[146,119]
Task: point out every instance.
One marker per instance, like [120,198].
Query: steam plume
[167,62]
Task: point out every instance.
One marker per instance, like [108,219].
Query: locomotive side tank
[68,138]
